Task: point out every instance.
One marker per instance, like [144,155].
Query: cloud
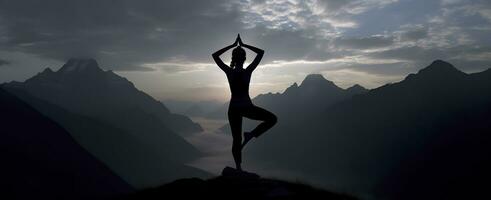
[408,53]
[344,78]
[412,32]
[373,41]
[175,39]
[322,18]
[449,2]
[121,34]
[179,66]
[131,35]
[353,6]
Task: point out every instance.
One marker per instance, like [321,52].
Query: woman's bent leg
[257,113]
[235,121]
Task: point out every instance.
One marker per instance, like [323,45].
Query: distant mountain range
[40,160]
[312,96]
[314,90]
[426,137]
[127,129]
[81,86]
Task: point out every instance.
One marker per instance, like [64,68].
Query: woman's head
[238,57]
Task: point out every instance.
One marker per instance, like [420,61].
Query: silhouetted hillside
[236,187]
[423,137]
[40,160]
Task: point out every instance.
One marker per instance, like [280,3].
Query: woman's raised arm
[259,55]
[218,60]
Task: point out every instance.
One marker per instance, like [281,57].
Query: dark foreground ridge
[233,184]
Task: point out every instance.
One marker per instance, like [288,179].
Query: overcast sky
[165,47]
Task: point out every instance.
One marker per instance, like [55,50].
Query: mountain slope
[40,160]
[136,162]
[392,135]
[82,87]
[103,110]
[314,93]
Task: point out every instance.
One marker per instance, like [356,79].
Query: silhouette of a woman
[240,102]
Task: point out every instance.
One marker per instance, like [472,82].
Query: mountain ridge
[134,160]
[313,90]
[386,130]
[80,87]
[97,87]
[40,159]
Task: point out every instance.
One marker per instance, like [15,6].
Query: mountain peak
[440,67]
[292,87]
[356,89]
[436,72]
[318,81]
[80,65]
[314,77]
[46,74]
[47,71]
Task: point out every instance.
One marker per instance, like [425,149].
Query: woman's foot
[247,137]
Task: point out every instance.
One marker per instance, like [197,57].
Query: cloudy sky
[165,46]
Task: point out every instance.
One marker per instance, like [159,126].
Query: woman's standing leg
[235,121]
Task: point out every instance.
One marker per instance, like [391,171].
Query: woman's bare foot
[247,137]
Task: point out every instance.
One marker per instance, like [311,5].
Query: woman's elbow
[215,57]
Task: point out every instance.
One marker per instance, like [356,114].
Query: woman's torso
[238,80]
